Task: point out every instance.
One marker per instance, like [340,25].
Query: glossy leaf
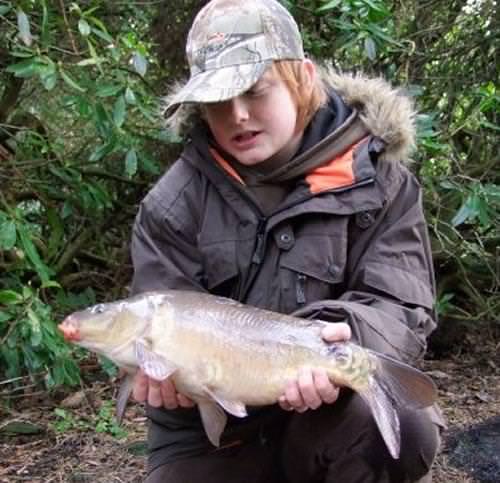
[140,64]
[7,235]
[84,27]
[131,163]
[370,48]
[23,25]
[71,82]
[119,111]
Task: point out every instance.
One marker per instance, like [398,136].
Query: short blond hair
[307,99]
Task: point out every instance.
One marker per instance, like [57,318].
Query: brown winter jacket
[348,242]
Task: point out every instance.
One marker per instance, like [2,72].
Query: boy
[290,195]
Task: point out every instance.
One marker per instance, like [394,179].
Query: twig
[14,379]
[68,28]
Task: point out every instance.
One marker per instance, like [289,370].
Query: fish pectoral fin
[214,420]
[236,408]
[123,395]
[154,365]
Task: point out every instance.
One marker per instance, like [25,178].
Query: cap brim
[218,84]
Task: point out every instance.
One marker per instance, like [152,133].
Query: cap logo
[216,37]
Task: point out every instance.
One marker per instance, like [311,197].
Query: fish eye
[98,309]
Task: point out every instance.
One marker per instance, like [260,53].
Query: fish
[226,356]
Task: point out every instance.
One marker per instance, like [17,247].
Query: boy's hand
[312,388]
[158,393]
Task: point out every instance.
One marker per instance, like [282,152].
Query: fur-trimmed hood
[387,112]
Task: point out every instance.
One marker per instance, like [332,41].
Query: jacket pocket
[220,267]
[313,269]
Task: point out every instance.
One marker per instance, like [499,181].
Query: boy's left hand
[312,387]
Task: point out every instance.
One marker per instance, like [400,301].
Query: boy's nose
[239,110]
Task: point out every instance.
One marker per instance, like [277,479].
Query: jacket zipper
[256,259]
[300,289]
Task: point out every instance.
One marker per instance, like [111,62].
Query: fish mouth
[69,329]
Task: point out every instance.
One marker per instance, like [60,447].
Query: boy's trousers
[338,443]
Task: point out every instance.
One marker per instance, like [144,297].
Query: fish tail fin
[395,385]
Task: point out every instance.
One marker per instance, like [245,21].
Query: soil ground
[72,437]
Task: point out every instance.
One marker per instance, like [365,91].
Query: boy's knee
[420,442]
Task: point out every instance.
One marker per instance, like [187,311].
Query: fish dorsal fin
[236,408]
[406,386]
[154,365]
[214,420]
[123,395]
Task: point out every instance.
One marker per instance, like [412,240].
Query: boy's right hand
[158,393]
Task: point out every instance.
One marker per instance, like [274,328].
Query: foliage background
[82,139]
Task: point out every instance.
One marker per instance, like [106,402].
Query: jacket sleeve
[163,245]
[390,288]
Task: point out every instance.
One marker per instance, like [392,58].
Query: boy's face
[257,124]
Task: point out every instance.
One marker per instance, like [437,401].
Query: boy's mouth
[246,136]
[245,139]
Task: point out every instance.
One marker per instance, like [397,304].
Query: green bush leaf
[9,297]
[27,68]
[33,255]
[23,24]
[130,96]
[84,27]
[72,83]
[107,90]
[7,235]
[131,163]
[329,5]
[140,64]
[119,111]
[370,48]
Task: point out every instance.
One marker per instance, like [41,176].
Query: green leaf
[119,112]
[329,6]
[36,330]
[378,7]
[49,81]
[33,255]
[101,31]
[130,96]
[23,24]
[468,211]
[140,64]
[5,9]
[370,48]
[84,27]
[101,151]
[107,90]
[490,125]
[45,36]
[5,316]
[103,35]
[7,235]
[9,297]
[73,84]
[131,163]
[26,68]
[20,427]
[91,61]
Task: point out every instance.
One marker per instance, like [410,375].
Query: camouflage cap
[231,44]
